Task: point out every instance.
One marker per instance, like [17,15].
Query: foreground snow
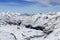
[15,26]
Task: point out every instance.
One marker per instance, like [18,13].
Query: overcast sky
[30,6]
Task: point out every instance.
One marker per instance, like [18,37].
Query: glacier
[41,26]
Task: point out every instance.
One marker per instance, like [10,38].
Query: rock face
[16,26]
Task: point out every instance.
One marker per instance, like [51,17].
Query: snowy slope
[16,26]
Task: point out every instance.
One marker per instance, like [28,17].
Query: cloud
[46,2]
[15,3]
[57,1]
[41,1]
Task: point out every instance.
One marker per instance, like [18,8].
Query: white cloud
[41,1]
[46,2]
[58,1]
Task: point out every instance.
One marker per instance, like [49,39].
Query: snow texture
[16,26]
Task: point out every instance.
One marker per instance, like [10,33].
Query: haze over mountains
[17,26]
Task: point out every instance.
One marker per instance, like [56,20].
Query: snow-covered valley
[16,26]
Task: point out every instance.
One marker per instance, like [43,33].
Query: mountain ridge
[30,26]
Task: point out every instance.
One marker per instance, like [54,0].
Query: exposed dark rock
[14,36]
[18,23]
[48,32]
[28,26]
[18,27]
[45,17]
[37,28]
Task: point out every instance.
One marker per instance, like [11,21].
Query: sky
[30,6]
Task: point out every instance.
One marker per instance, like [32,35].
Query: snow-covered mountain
[17,26]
